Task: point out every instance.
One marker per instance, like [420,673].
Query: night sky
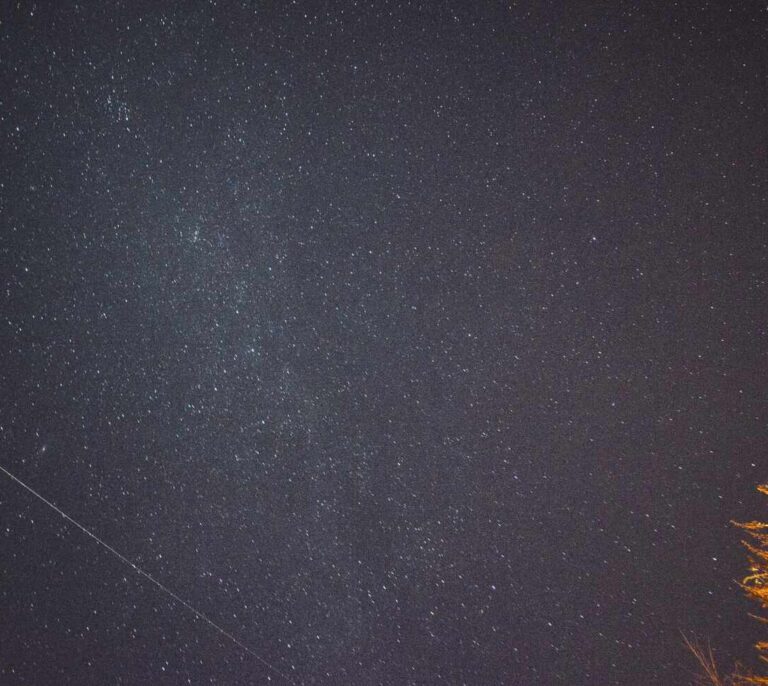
[410,342]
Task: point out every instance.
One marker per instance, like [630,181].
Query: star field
[412,343]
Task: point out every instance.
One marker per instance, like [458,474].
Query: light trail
[149,577]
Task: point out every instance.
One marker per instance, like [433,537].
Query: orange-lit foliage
[755,584]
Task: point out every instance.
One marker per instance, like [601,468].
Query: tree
[755,585]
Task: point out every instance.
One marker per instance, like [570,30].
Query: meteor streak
[149,577]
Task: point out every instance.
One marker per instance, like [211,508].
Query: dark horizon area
[411,343]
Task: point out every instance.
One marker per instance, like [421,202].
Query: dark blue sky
[412,343]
